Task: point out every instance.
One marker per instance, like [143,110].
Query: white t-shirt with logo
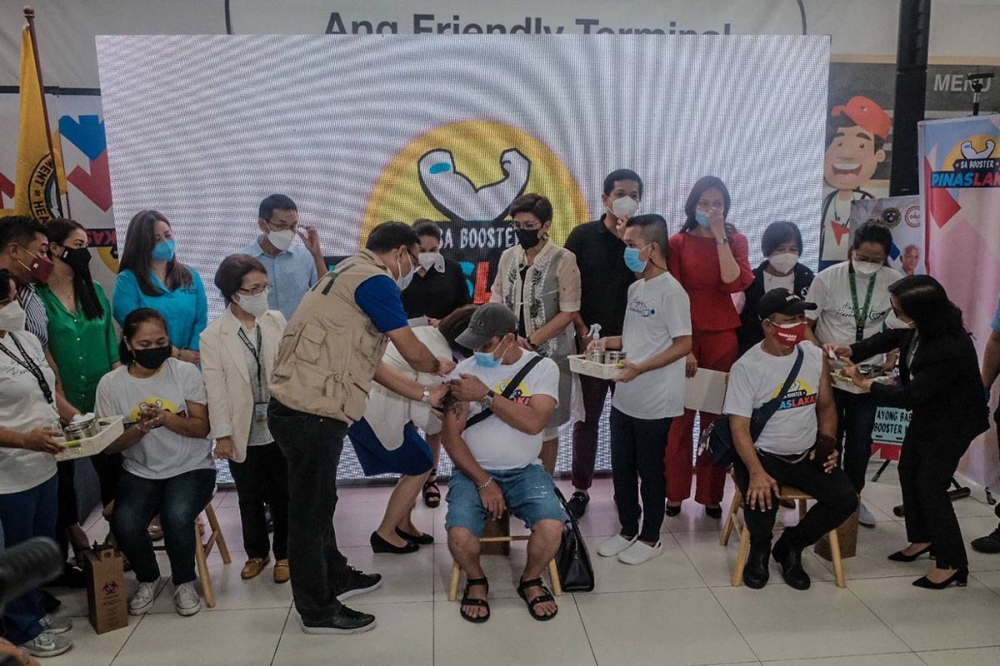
[831,292]
[161,453]
[776,282]
[758,376]
[658,311]
[22,409]
[494,444]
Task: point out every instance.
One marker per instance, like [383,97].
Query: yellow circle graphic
[488,164]
[977,143]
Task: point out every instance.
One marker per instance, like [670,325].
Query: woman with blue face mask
[711,261]
[150,276]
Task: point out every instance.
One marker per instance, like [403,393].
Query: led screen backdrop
[359,130]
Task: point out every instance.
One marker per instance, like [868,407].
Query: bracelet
[483,487]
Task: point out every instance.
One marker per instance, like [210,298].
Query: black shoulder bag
[576,573]
[507,392]
[718,438]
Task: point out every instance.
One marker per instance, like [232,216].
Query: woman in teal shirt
[151,277]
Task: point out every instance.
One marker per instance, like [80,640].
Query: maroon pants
[594,392]
[715,350]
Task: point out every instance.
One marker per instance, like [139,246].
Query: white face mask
[429,260]
[865,267]
[254,305]
[281,239]
[624,207]
[12,317]
[783,262]
[403,281]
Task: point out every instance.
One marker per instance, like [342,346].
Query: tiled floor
[678,609]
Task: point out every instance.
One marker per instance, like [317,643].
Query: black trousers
[926,466]
[835,498]
[637,450]
[312,446]
[263,478]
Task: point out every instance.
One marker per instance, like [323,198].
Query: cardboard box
[106,599]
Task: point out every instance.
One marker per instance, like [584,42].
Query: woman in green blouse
[84,345]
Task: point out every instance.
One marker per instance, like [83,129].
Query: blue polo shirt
[290,274]
[185,309]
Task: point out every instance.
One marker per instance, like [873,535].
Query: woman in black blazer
[781,244]
[940,383]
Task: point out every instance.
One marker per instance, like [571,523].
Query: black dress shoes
[790,560]
[756,574]
[380,545]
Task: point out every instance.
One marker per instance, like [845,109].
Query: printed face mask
[40,268]
[624,207]
[790,334]
[76,258]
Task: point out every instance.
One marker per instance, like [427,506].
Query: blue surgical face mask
[487,359]
[632,260]
[701,217]
[165,250]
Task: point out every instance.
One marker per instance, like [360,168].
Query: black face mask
[528,238]
[152,358]
[77,258]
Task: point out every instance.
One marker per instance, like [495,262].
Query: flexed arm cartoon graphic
[459,199]
[969,151]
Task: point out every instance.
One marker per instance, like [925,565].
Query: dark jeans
[856,419]
[312,446]
[834,495]
[637,449]
[926,467]
[109,473]
[27,514]
[594,392]
[178,500]
[263,477]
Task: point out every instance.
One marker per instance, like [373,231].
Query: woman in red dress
[710,259]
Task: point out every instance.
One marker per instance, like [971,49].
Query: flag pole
[29,15]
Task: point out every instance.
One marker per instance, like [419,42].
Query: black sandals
[482,603]
[545,597]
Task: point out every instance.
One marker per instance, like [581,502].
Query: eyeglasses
[256,291]
[280,227]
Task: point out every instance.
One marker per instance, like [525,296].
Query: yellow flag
[36,185]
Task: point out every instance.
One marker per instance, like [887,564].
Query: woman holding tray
[29,424]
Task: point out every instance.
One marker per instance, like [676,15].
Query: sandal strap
[482,603]
[534,582]
[472,582]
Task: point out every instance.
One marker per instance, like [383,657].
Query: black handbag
[576,573]
[717,440]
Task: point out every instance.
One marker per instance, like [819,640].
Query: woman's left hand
[154,417]
[859,379]
[717,223]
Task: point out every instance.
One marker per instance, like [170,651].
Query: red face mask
[40,269]
[790,334]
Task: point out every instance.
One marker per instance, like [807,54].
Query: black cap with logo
[782,301]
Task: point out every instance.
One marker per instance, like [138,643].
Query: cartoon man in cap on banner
[855,137]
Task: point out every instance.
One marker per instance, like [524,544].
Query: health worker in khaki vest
[330,353]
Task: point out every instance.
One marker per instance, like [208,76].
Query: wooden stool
[503,542]
[202,549]
[787,493]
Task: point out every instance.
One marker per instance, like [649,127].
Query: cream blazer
[227,378]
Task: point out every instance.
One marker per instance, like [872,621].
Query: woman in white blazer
[237,353]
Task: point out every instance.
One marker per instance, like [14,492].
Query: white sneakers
[638,553]
[615,545]
[865,517]
[142,600]
[186,600]
[629,551]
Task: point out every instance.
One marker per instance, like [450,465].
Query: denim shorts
[529,493]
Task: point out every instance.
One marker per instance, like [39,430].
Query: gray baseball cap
[488,321]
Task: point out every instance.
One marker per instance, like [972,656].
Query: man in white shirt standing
[796,446]
[496,456]
[852,300]
[656,338]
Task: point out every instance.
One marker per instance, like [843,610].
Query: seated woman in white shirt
[28,482]
[168,466]
[238,351]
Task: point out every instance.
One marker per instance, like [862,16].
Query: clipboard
[706,391]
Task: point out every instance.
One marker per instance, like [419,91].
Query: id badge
[260,412]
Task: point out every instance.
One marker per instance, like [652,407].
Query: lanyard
[29,364]
[256,354]
[861,316]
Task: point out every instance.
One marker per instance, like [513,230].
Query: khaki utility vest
[330,348]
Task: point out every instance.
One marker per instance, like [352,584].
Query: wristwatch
[722,241]
[426,394]
[486,402]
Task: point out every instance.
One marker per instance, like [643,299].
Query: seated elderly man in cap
[493,434]
[796,446]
